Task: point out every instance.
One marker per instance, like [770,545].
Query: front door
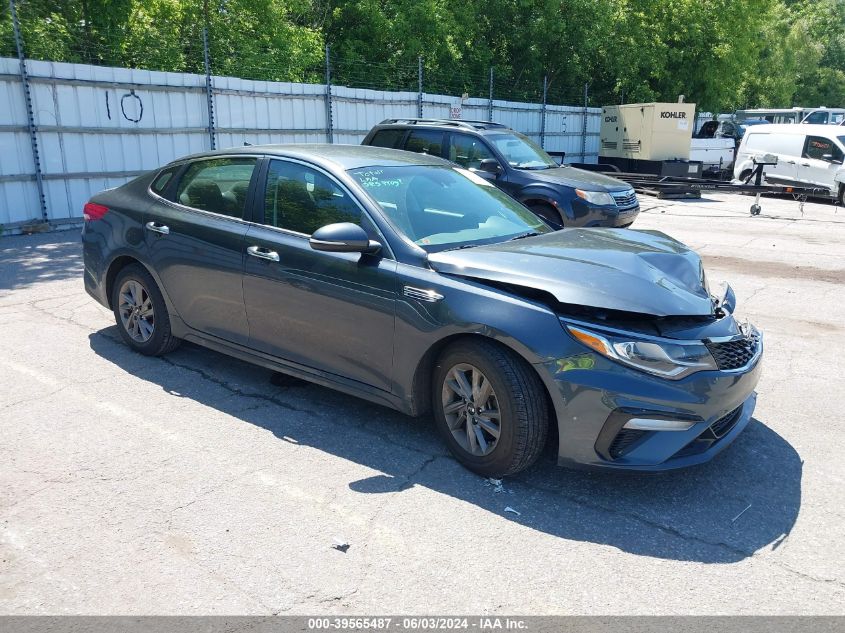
[333,312]
[195,243]
[820,161]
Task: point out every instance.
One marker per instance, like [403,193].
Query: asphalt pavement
[194,484]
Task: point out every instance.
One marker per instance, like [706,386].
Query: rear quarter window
[163,179]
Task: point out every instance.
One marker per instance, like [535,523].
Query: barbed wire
[260,58]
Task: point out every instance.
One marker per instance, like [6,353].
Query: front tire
[548,214]
[141,313]
[490,407]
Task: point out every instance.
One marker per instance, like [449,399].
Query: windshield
[442,207]
[520,151]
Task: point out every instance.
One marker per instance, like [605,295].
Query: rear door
[195,241]
[426,142]
[333,312]
[821,158]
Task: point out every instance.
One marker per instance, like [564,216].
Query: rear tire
[507,388]
[549,214]
[141,313]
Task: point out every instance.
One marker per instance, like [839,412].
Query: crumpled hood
[579,178]
[616,269]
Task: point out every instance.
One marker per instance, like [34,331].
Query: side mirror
[343,237]
[490,166]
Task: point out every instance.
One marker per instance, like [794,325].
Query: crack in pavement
[273,400]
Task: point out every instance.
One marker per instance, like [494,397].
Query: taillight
[93,211]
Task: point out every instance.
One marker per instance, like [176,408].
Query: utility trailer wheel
[755,209]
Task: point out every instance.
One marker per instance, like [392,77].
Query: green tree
[720,54]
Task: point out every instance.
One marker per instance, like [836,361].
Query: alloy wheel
[471,409]
[136,311]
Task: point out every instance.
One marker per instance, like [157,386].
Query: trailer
[686,187]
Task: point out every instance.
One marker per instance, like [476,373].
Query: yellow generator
[651,132]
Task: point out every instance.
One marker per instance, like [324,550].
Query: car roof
[797,128]
[331,156]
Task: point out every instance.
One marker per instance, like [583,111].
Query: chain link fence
[92,114]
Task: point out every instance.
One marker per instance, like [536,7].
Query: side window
[817,118]
[468,151]
[818,147]
[302,199]
[425,142]
[163,179]
[219,185]
[388,138]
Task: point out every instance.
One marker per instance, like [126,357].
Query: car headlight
[664,358]
[595,197]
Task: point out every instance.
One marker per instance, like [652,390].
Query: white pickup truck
[715,145]
[715,154]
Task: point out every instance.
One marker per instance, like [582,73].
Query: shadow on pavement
[746,499]
[29,259]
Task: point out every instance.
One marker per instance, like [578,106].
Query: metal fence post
[543,112]
[584,124]
[30,115]
[420,83]
[490,101]
[209,89]
[329,126]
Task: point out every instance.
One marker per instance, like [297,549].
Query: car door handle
[805,164]
[789,162]
[263,253]
[158,228]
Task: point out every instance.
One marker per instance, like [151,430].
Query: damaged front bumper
[612,416]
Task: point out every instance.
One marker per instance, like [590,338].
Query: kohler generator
[649,138]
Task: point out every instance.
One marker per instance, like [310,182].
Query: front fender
[544,194]
[742,166]
[466,308]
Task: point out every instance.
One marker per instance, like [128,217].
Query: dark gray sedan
[406,280]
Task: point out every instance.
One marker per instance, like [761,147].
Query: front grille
[693,448]
[624,441]
[625,199]
[734,354]
[712,434]
[723,425]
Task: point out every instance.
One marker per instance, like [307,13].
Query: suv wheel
[490,408]
[140,312]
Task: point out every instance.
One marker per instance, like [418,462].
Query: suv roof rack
[464,123]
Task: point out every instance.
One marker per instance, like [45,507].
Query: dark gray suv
[563,196]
